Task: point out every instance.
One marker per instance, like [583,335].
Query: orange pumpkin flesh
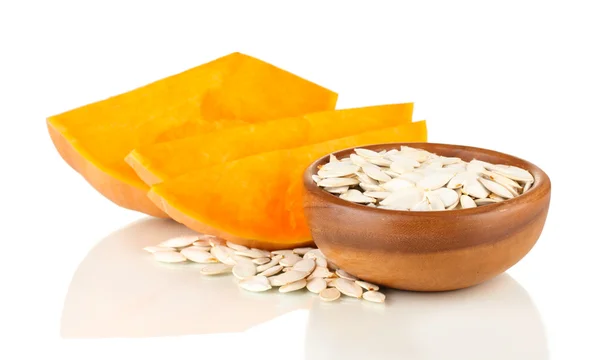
[257,200]
[158,162]
[230,91]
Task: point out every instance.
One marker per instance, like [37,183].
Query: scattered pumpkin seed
[316,285]
[255,283]
[216,269]
[259,270]
[296,285]
[196,254]
[374,296]
[329,294]
[348,287]
[367,285]
[153,249]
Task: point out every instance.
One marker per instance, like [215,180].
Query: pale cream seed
[296,285]
[374,296]
[348,287]
[256,283]
[316,285]
[367,285]
[329,294]
[216,269]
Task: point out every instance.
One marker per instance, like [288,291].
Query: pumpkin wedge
[257,200]
[158,162]
[230,91]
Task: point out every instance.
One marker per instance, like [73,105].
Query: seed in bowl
[416,180]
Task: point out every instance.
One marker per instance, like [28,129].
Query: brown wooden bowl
[428,251]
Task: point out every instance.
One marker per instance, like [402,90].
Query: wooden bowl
[428,251]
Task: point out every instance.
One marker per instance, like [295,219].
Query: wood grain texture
[428,251]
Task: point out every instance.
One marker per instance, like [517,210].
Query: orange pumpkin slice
[158,162]
[230,91]
[257,200]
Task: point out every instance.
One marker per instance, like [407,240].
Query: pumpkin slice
[230,91]
[158,162]
[257,200]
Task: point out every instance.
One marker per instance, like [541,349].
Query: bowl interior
[466,153]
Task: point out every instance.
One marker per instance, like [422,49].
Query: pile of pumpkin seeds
[260,270]
[417,180]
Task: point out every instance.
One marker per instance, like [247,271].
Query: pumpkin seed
[272,270]
[329,294]
[251,253]
[274,261]
[486,201]
[236,246]
[307,265]
[316,285]
[357,197]
[290,260]
[435,202]
[405,198]
[215,269]
[255,283]
[513,172]
[344,275]
[367,285]
[244,269]
[197,255]
[374,172]
[337,182]
[374,296]
[261,261]
[348,287]
[153,249]
[435,181]
[287,277]
[377,194]
[366,153]
[224,254]
[321,261]
[179,241]
[496,188]
[466,202]
[282,252]
[397,184]
[320,272]
[296,285]
[302,251]
[447,196]
[202,243]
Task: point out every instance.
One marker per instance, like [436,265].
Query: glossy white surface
[520,77]
[120,291]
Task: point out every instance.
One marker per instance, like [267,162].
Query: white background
[520,77]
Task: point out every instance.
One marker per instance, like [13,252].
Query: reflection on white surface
[120,291]
[495,320]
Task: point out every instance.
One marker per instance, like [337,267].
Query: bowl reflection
[494,320]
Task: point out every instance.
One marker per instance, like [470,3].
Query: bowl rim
[541,185]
